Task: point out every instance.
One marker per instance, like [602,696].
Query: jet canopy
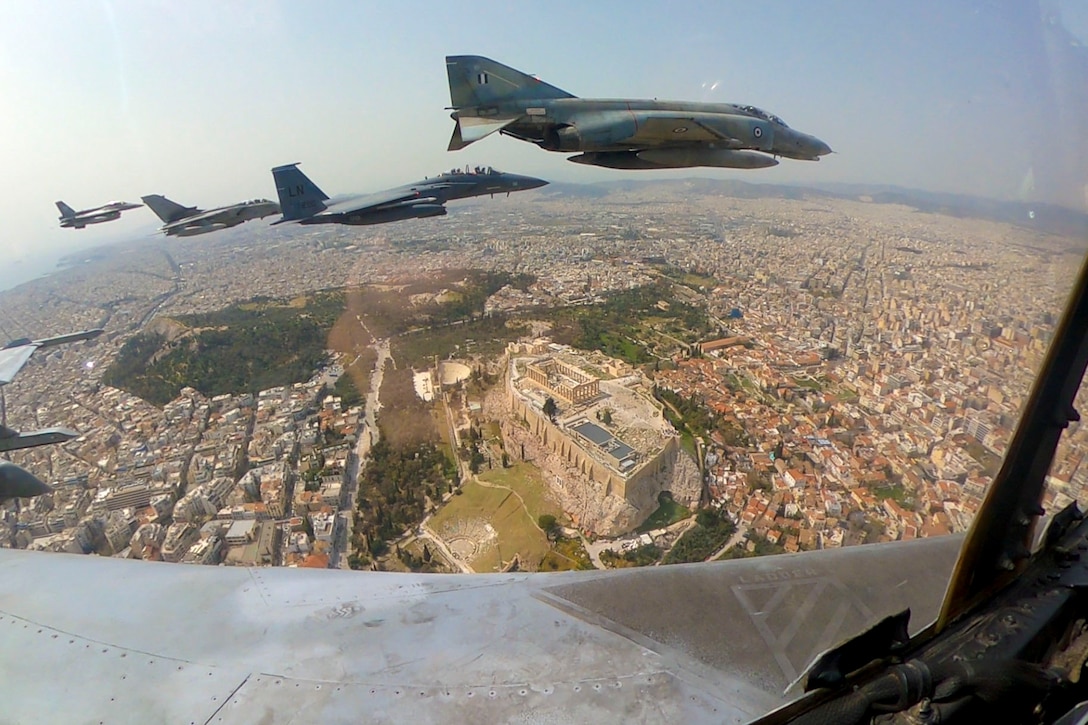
[760,113]
[475,170]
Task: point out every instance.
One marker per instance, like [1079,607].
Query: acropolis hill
[609,450]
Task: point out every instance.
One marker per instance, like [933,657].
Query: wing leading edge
[706,642]
[12,360]
[16,354]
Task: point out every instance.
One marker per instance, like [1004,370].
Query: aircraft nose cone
[529,182]
[17,483]
[820,148]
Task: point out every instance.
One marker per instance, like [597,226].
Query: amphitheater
[467,539]
[451,373]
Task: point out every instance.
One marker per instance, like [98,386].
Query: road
[594,550]
[366,436]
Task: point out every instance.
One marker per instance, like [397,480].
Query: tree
[550,408]
[505,460]
[548,523]
[606,416]
[475,461]
[707,518]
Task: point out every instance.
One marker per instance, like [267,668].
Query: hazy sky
[114,99]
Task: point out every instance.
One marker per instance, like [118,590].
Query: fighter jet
[14,481]
[488,96]
[305,203]
[188,221]
[70,218]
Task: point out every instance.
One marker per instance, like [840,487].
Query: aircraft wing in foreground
[488,97]
[188,221]
[153,642]
[303,202]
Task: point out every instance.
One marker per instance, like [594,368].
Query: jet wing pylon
[471,129]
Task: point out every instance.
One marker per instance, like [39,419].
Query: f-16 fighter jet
[616,133]
[305,203]
[70,218]
[188,221]
[14,481]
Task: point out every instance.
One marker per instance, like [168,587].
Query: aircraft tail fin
[478,81]
[168,211]
[300,198]
[66,212]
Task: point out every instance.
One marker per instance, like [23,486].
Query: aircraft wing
[103,639]
[16,354]
[201,217]
[378,201]
[12,360]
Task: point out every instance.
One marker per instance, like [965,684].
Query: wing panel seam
[228,698]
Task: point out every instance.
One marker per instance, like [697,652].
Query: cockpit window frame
[760,113]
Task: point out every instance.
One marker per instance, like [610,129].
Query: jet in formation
[487,96]
[72,219]
[303,202]
[188,221]
[16,482]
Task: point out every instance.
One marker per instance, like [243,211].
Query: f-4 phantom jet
[70,218]
[188,221]
[303,202]
[616,133]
